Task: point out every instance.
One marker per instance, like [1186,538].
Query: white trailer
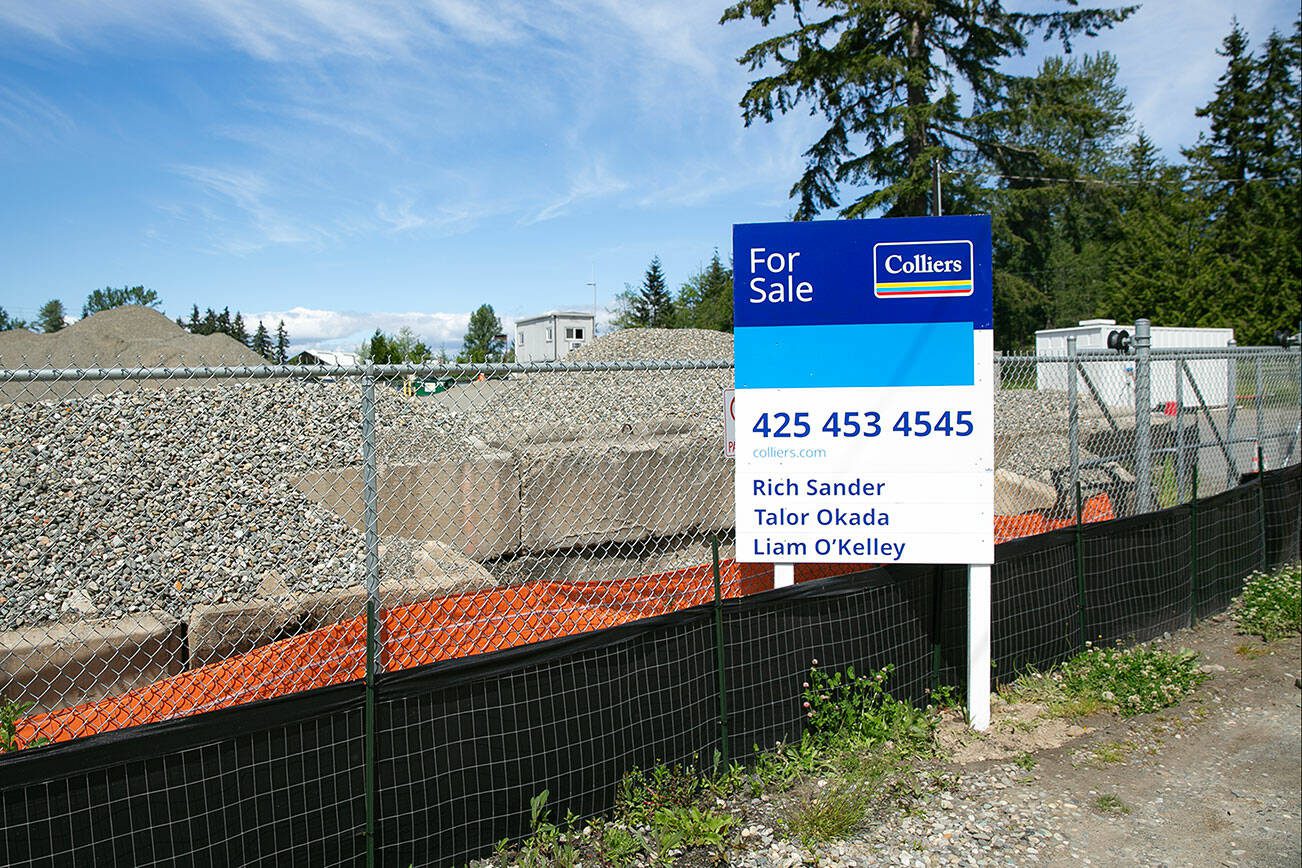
[1115,377]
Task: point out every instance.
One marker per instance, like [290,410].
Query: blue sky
[353,164]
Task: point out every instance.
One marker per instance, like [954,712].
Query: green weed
[1128,681]
[1271,604]
[1025,761]
[680,828]
[10,713]
[1110,804]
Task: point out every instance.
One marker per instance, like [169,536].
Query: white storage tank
[1115,377]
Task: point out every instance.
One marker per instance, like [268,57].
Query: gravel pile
[165,499]
[702,345]
[130,336]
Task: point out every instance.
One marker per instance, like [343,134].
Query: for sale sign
[864,391]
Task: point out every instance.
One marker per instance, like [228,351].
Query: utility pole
[936,208]
[593,284]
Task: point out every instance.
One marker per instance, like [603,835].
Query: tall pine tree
[282,344]
[886,78]
[262,342]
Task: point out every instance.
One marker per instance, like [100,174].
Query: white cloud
[336,330]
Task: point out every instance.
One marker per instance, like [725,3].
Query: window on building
[549,335]
[519,338]
[574,334]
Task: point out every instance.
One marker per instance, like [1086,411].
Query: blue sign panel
[860,302]
[860,271]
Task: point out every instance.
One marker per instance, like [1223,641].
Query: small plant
[838,811]
[1110,804]
[618,844]
[10,713]
[1252,652]
[843,705]
[547,844]
[1025,761]
[1128,681]
[1112,752]
[679,828]
[642,793]
[1271,604]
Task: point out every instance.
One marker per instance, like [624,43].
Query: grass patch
[856,755]
[1112,752]
[1252,652]
[1025,762]
[1127,681]
[1111,804]
[836,812]
[1271,604]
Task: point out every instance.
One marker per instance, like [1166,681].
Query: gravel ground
[1214,781]
[125,499]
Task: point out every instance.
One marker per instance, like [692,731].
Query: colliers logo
[922,269]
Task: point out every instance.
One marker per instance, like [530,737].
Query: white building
[550,336]
[324,357]
[1115,377]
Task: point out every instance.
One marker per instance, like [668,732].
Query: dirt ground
[1215,781]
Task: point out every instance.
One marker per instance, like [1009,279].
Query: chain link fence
[180,539]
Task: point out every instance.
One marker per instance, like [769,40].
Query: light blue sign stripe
[823,356]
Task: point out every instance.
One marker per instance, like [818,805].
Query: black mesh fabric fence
[462,746]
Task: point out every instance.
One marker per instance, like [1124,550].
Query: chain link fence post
[720,668]
[1073,418]
[1143,418]
[1231,408]
[1259,394]
[1181,448]
[372,541]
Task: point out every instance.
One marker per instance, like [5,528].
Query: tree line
[1088,218]
[51,317]
[704,301]
[273,349]
[485,341]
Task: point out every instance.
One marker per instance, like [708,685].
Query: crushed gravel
[125,499]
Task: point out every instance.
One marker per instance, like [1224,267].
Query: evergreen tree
[224,321]
[483,341]
[655,293]
[209,325]
[7,322]
[1054,153]
[193,325]
[262,342]
[238,331]
[110,297]
[705,300]
[282,344]
[883,75]
[50,318]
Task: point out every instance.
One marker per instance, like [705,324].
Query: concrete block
[59,665]
[216,632]
[1016,494]
[583,494]
[471,505]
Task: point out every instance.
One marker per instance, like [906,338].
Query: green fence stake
[1080,570]
[718,657]
[937,588]
[1193,550]
[1261,505]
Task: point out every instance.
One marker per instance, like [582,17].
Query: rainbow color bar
[919,288]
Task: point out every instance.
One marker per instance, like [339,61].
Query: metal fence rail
[176,540]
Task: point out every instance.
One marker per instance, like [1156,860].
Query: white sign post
[864,402]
